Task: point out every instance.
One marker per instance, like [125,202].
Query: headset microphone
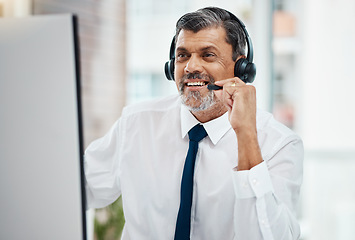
[244,68]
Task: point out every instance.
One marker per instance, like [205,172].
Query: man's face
[202,58]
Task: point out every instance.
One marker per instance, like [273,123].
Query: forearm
[267,194]
[249,154]
[101,169]
[265,218]
[259,214]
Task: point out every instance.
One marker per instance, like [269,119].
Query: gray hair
[215,17]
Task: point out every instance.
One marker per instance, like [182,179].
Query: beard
[205,101]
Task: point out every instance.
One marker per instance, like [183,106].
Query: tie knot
[197,133]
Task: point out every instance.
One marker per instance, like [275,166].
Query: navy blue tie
[182,231]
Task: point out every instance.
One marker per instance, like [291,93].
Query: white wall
[326,118]
[328,74]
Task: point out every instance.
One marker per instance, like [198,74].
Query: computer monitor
[41,142]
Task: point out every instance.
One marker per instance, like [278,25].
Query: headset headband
[247,37]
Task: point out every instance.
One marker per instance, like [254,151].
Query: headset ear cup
[166,70]
[245,70]
[169,69]
[239,69]
[251,70]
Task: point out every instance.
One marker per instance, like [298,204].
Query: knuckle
[251,88]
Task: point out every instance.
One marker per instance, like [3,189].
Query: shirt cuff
[255,182]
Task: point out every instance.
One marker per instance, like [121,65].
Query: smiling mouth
[195,81]
[196,84]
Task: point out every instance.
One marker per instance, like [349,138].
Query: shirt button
[255,181]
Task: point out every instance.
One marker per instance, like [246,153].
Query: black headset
[244,68]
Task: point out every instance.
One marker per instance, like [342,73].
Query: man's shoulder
[156,105]
[274,136]
[266,123]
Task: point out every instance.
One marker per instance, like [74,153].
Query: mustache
[206,77]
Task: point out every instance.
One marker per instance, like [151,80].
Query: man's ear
[239,57]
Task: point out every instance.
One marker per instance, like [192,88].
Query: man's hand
[240,100]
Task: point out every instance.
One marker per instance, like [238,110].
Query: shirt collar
[215,128]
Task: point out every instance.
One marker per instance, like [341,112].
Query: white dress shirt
[142,158]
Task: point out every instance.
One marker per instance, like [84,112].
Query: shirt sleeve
[267,195]
[101,166]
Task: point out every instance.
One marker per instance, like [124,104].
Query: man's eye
[209,55]
[182,56]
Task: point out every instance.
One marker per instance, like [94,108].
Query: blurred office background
[303,49]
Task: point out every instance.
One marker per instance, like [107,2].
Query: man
[248,169]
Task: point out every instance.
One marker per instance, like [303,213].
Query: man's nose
[193,65]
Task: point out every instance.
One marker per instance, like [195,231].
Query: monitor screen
[41,146]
